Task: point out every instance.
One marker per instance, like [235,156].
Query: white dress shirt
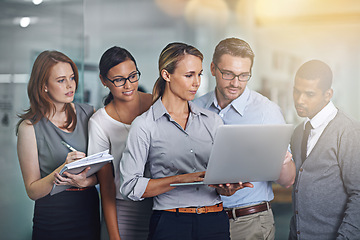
[319,123]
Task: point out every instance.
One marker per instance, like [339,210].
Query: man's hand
[229,189]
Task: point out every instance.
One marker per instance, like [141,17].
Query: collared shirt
[249,108]
[319,123]
[156,140]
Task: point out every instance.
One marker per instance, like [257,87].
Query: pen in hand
[76,155]
[68,146]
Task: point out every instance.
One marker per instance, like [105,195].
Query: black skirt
[67,215]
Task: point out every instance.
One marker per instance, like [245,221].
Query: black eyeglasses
[120,81]
[243,77]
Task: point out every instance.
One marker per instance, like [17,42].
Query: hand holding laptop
[189,178]
[226,189]
[229,189]
[246,153]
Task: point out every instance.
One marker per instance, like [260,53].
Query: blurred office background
[282,33]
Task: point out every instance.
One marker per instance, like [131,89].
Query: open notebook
[95,162]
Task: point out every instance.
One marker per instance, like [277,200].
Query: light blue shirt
[249,108]
[158,141]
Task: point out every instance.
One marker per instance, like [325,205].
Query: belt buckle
[197,210]
[268,205]
[233,213]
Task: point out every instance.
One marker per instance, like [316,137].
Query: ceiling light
[24,22]
[37,2]
[207,12]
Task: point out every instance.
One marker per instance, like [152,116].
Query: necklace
[117,113]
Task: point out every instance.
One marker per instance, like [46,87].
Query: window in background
[51,25]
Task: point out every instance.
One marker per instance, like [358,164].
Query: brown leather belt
[240,212]
[198,210]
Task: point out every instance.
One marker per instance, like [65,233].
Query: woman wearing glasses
[108,129]
[174,137]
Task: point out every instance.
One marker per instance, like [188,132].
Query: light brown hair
[40,103]
[234,47]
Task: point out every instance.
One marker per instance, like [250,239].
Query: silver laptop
[247,153]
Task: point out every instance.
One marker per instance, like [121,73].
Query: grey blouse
[156,140]
[51,152]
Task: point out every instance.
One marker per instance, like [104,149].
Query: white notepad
[95,162]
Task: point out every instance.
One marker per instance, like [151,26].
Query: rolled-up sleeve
[157,145]
[133,161]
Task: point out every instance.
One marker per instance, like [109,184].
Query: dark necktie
[305,138]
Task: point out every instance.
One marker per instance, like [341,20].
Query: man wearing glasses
[249,210]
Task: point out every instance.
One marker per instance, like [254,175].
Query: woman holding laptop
[173,140]
[51,119]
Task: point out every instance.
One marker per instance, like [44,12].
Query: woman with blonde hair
[51,118]
[173,140]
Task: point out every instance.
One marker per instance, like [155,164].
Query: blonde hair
[168,60]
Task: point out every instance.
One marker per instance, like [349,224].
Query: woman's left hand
[229,189]
[76,180]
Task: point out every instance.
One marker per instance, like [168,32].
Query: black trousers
[69,215]
[189,226]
